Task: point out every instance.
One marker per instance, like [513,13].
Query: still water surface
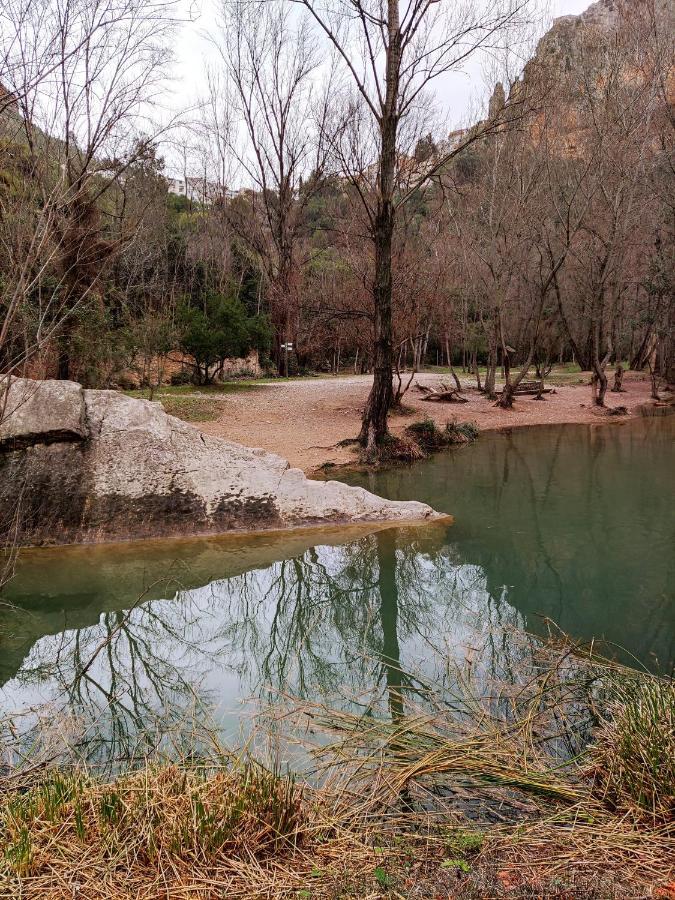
[570,524]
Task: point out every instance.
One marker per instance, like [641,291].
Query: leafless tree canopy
[325,215]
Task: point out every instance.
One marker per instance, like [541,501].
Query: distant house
[456,137]
[199,190]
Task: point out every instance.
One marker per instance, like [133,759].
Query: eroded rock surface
[31,416]
[79,465]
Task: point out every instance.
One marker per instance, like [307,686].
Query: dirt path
[303,421]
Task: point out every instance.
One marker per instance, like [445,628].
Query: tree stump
[618,380]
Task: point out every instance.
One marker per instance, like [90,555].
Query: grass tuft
[633,755]
[431,438]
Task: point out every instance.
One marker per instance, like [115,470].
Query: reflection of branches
[354,618]
[541,543]
[125,678]
[377,617]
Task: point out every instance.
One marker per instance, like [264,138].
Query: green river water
[571,525]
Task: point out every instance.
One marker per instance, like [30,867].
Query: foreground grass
[393,807]
[242,831]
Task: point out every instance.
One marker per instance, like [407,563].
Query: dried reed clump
[169,831]
[632,758]
[499,749]
[400,449]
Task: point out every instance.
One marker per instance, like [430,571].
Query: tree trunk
[490,377]
[425,344]
[582,359]
[491,371]
[510,386]
[639,359]
[374,424]
[448,356]
[653,369]
[374,429]
[476,371]
[599,377]
[63,361]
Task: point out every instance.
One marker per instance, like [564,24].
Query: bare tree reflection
[377,619]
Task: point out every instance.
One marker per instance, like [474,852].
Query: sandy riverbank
[304,420]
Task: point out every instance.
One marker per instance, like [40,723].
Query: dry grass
[490,789]
[192,409]
[171,831]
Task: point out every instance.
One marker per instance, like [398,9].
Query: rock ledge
[84,466]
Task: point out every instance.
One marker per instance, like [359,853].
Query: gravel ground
[303,421]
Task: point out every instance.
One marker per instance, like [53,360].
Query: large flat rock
[80,466]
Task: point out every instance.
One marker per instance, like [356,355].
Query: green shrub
[430,437]
[461,432]
[633,756]
[427,434]
[181,378]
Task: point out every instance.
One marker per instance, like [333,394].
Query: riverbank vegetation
[423,437]
[558,781]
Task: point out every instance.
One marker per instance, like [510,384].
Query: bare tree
[390,55]
[85,80]
[604,161]
[271,62]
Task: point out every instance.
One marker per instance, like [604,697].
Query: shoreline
[328,471]
[305,420]
[332,531]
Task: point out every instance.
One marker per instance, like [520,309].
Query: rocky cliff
[562,44]
[83,466]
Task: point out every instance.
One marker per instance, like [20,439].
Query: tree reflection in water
[541,531]
[374,620]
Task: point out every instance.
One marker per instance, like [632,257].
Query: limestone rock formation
[83,465]
[31,416]
[560,46]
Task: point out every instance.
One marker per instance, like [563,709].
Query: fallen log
[528,387]
[441,394]
[444,397]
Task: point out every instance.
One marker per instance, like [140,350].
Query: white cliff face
[81,465]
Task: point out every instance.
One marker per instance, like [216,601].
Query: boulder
[30,414]
[82,466]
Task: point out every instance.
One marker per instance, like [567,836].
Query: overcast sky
[456,92]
